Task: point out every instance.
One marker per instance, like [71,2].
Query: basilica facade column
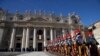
[27,39]
[51,34]
[12,40]
[45,40]
[34,39]
[63,32]
[23,40]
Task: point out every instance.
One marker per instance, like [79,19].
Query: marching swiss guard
[92,44]
[69,44]
[79,40]
[74,46]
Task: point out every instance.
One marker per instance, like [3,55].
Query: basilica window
[66,21]
[76,21]
[57,19]
[19,31]
[73,16]
[20,17]
[11,18]
[31,32]
[18,38]
[31,38]
[30,46]
[48,38]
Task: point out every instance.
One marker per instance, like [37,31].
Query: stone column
[23,40]
[51,34]
[27,39]
[12,40]
[63,32]
[72,31]
[34,39]
[45,40]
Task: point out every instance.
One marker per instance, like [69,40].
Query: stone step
[10,53]
[36,54]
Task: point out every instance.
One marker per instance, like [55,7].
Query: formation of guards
[74,46]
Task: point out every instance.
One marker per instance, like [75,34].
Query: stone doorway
[40,47]
[39,40]
[18,47]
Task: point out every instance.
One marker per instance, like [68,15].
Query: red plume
[68,36]
[76,31]
[90,33]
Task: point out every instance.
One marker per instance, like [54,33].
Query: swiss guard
[68,45]
[92,44]
[91,40]
[79,41]
[69,40]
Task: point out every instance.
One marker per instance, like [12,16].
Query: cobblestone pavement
[36,54]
